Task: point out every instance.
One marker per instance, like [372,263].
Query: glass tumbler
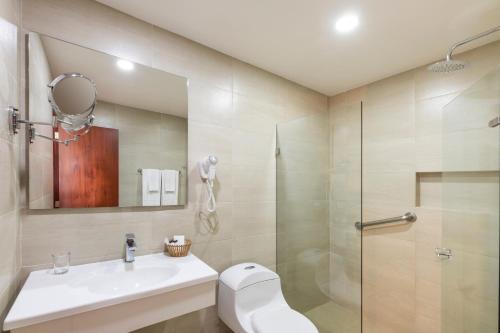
[60,262]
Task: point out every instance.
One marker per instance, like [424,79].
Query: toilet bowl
[250,300]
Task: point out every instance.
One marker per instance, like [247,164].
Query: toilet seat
[281,320]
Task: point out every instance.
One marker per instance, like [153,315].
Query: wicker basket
[175,250]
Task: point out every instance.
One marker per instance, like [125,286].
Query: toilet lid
[282,320]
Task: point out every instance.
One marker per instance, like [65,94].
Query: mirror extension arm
[15,125]
[33,134]
[15,122]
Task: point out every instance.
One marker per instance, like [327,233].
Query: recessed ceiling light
[125,64]
[347,23]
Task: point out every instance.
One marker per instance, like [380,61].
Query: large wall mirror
[132,153]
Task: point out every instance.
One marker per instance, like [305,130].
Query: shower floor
[333,318]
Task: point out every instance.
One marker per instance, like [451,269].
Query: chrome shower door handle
[443,253]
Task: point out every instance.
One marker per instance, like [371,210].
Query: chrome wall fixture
[443,253]
[448,64]
[76,124]
[180,171]
[494,122]
[15,123]
[407,217]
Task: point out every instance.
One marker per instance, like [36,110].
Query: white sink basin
[124,278]
[46,296]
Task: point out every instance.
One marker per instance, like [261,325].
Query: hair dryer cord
[211,205]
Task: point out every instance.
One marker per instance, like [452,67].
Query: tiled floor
[333,318]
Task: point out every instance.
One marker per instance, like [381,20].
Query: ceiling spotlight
[125,64]
[347,23]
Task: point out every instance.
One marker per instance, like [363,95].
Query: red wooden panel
[88,169]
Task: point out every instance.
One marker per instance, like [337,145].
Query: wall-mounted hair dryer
[207,174]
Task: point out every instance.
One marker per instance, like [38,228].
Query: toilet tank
[244,288]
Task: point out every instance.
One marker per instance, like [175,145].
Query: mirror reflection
[135,152]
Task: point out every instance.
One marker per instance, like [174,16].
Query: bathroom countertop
[46,296]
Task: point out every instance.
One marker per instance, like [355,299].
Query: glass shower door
[470,209]
[318,199]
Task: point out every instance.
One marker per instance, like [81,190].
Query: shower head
[447,66]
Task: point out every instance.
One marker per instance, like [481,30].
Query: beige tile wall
[403,135]
[345,209]
[10,156]
[233,109]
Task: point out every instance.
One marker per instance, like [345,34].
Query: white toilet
[251,301]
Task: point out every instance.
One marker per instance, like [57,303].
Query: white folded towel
[170,187]
[152,176]
[170,178]
[151,185]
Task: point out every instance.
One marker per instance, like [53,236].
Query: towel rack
[407,217]
[140,170]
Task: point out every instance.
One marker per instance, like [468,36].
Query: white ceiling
[296,40]
[143,87]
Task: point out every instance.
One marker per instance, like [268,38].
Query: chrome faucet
[130,247]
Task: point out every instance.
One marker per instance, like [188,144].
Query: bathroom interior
[249,167]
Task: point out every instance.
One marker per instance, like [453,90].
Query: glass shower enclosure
[318,248]
[335,168]
[470,216]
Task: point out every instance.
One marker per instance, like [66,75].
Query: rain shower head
[450,65]
[447,66]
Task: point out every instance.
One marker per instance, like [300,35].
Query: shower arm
[470,39]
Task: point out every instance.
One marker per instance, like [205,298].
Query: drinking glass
[60,262]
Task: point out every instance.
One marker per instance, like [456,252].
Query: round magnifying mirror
[73,99]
